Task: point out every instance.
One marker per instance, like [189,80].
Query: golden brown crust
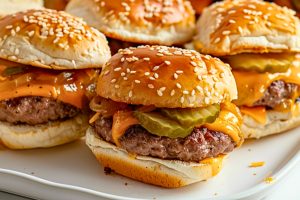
[165,173]
[240,26]
[51,39]
[149,22]
[166,77]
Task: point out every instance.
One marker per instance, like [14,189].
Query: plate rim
[281,172]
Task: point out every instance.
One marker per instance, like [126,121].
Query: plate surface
[72,172]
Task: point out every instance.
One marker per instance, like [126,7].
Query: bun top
[238,26]
[166,77]
[51,39]
[164,22]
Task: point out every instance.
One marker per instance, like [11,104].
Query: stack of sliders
[163,115]
[129,23]
[260,41]
[44,85]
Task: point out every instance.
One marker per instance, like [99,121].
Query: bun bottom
[165,173]
[43,136]
[277,122]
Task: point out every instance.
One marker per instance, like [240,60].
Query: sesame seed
[159,93]
[156,75]
[147,73]
[167,62]
[198,88]
[231,21]
[172,93]
[113,80]
[179,72]
[130,93]
[182,100]
[117,86]
[137,81]
[150,86]
[117,69]
[125,78]
[178,85]
[162,88]
[185,92]
[123,74]
[9,26]
[217,40]
[146,59]
[193,63]
[155,68]
[175,76]
[226,32]
[106,72]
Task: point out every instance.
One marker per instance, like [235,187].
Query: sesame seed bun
[166,77]
[232,27]
[277,122]
[148,22]
[11,6]
[44,135]
[51,39]
[165,173]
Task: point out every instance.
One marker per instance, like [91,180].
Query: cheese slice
[70,86]
[258,113]
[122,120]
[228,122]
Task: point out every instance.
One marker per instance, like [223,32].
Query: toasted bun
[277,122]
[165,173]
[51,39]
[163,22]
[42,136]
[230,27]
[12,6]
[166,77]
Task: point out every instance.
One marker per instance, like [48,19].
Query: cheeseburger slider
[260,41]
[128,23]
[164,116]
[12,6]
[43,83]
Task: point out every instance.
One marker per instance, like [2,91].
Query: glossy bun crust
[166,77]
[165,173]
[51,39]
[237,26]
[163,22]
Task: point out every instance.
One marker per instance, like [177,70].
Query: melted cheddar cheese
[215,162]
[252,85]
[228,122]
[70,86]
[258,113]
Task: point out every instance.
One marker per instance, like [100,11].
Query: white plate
[72,172]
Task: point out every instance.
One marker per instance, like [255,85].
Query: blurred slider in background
[12,6]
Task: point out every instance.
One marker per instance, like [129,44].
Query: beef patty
[276,93]
[35,110]
[200,144]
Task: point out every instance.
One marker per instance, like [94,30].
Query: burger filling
[35,110]
[31,95]
[266,82]
[180,134]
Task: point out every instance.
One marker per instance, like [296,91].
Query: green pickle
[193,116]
[175,123]
[271,62]
[157,124]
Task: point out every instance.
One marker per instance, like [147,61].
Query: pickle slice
[160,125]
[271,62]
[193,116]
